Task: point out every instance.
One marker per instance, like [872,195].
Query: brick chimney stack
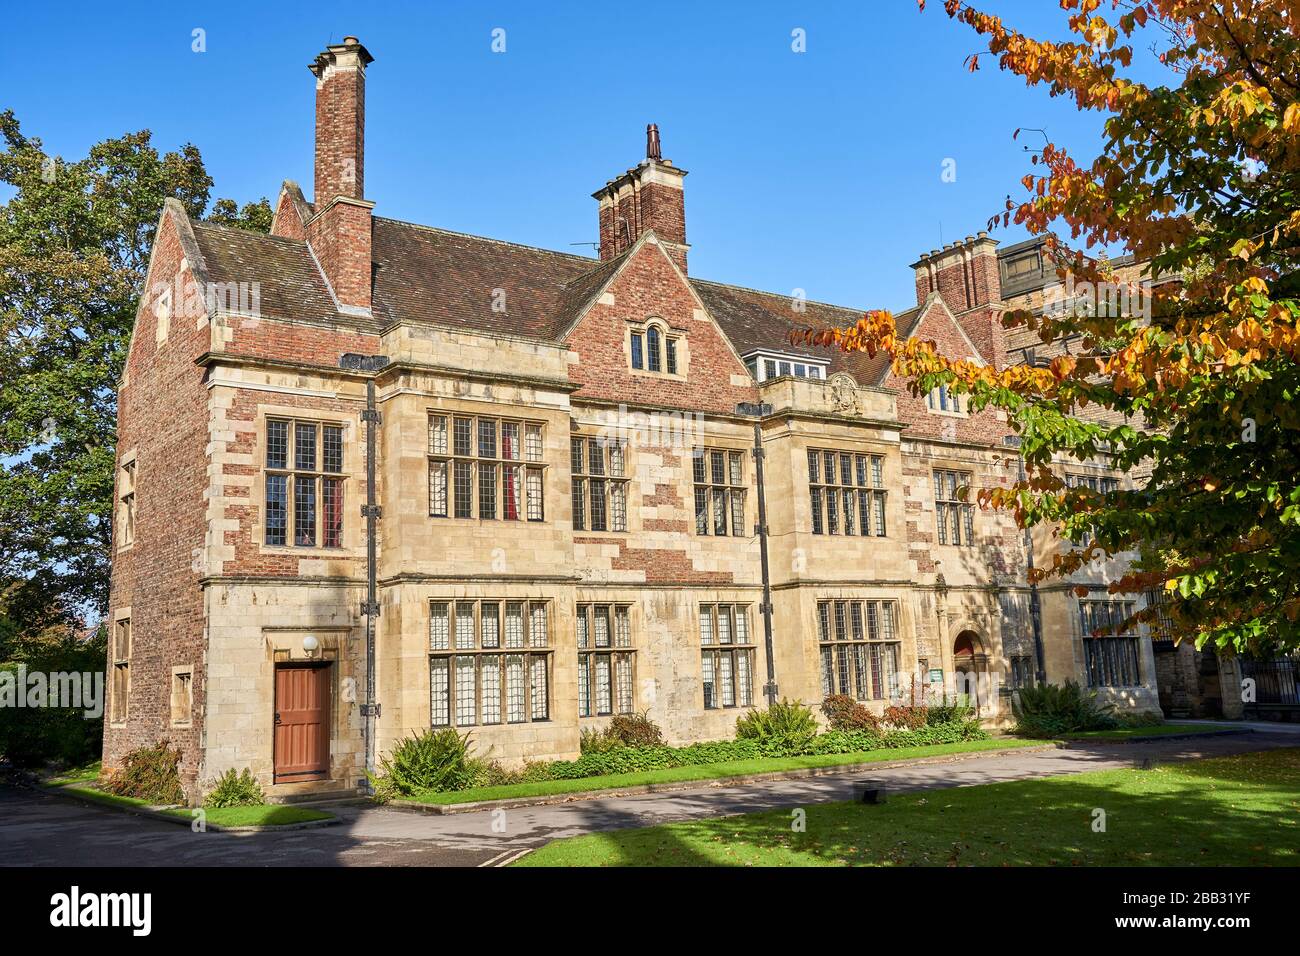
[649,196]
[339,231]
[965,274]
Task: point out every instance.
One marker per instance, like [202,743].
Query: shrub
[844,713]
[784,733]
[235,790]
[846,742]
[618,760]
[636,730]
[149,773]
[1144,719]
[595,740]
[948,712]
[905,716]
[719,751]
[1049,709]
[625,730]
[432,760]
[950,733]
[786,728]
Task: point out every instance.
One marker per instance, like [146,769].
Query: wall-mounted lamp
[310,645]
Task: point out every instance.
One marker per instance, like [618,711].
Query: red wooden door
[302,738]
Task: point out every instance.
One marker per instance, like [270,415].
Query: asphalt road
[43,830]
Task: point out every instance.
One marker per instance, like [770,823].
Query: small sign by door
[302,727]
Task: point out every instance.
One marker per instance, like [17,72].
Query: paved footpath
[40,829]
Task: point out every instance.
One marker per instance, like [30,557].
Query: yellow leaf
[1291,118]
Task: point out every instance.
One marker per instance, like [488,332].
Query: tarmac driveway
[44,830]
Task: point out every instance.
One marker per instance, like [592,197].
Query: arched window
[654,358]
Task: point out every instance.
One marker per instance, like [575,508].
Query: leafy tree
[256,216]
[1199,177]
[74,246]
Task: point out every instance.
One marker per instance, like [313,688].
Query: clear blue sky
[819,170]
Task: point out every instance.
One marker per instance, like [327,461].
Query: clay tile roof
[764,320]
[579,292]
[449,278]
[289,282]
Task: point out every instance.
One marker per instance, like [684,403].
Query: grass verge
[1230,811]
[264,815]
[709,771]
[83,774]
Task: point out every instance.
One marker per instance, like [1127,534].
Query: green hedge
[634,759]
[35,736]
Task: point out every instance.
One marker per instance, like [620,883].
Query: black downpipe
[758,412]
[371,512]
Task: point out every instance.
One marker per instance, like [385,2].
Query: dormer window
[653,348]
[768,366]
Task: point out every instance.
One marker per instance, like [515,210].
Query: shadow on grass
[1237,811]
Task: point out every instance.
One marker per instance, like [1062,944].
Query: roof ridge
[778,295]
[500,242]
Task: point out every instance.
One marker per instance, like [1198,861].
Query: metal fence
[1276,683]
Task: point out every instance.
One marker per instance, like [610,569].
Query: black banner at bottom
[331,905]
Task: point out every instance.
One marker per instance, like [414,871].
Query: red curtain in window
[333,508]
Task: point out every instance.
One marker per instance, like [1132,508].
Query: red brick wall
[952,281]
[267,338]
[163,417]
[341,238]
[983,427]
[986,281]
[649,286]
[640,209]
[287,222]
[922,285]
[663,209]
[340,136]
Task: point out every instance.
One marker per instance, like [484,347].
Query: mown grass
[710,771]
[80,774]
[1231,811]
[265,815]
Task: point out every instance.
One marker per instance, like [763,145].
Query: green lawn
[710,771]
[74,775]
[266,815]
[1230,811]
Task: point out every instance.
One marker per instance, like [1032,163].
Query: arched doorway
[970,665]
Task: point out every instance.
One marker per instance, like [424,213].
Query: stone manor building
[566,493]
